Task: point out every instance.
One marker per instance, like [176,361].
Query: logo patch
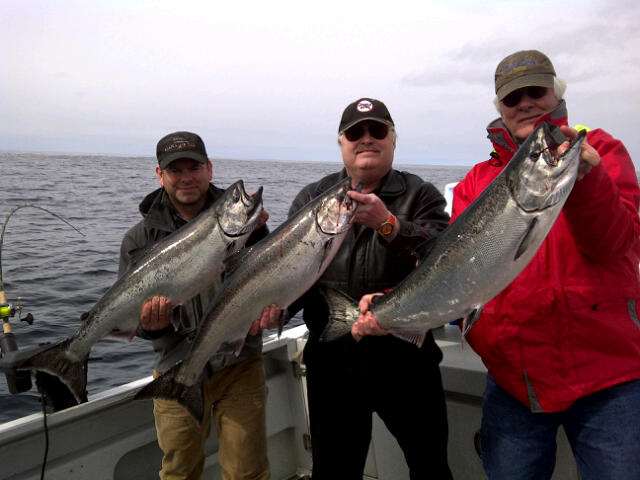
[178,143]
[364,106]
[520,65]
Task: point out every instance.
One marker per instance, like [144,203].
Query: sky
[270,79]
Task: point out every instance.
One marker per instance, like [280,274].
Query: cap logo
[519,65]
[179,144]
[364,106]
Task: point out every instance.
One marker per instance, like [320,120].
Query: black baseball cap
[180,145]
[364,109]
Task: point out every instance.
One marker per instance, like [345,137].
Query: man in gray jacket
[235,392]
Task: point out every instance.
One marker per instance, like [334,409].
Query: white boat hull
[113,437]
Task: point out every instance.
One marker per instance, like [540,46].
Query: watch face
[386,229]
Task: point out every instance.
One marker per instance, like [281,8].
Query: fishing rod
[53,393]
[20,381]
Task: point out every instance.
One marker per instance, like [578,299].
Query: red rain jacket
[568,325]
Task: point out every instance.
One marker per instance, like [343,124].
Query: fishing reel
[56,395]
[17,381]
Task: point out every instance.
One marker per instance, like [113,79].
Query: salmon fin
[167,388]
[343,313]
[237,345]
[175,322]
[233,346]
[416,338]
[284,318]
[126,335]
[54,360]
[469,320]
[527,239]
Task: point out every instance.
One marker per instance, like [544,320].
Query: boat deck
[113,437]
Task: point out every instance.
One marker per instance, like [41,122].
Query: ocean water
[58,273]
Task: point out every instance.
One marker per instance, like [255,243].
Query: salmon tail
[343,313]
[167,388]
[55,360]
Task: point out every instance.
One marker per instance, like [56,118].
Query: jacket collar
[501,138]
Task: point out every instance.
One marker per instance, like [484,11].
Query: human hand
[270,318]
[156,313]
[367,324]
[371,210]
[589,156]
[366,301]
[262,219]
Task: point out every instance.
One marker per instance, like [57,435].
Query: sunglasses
[514,97]
[376,130]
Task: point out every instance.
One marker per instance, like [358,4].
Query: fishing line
[14,210]
[46,432]
[42,395]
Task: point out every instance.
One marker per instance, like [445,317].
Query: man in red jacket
[562,341]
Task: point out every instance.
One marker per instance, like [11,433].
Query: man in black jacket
[235,391]
[366,371]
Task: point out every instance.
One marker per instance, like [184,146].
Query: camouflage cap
[526,68]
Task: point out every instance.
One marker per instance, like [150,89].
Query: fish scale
[177,267]
[278,270]
[482,251]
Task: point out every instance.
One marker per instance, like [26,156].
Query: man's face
[520,118]
[186,181]
[367,157]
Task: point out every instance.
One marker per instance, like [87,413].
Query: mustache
[366,148]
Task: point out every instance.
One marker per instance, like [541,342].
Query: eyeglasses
[376,129]
[514,97]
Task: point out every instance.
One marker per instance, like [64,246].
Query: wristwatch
[386,227]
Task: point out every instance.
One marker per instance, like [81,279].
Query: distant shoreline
[215,159]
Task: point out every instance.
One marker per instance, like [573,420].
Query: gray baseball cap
[526,68]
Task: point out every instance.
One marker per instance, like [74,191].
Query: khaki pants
[236,398]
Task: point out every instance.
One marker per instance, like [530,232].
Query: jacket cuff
[152,334]
[407,239]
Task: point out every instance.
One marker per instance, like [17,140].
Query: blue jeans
[603,429]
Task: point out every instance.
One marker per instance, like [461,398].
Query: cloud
[582,40]
[269,79]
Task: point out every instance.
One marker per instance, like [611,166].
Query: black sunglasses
[514,97]
[376,130]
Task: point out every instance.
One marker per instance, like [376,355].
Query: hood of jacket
[503,143]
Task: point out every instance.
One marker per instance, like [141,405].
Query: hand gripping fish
[278,269]
[482,251]
[178,267]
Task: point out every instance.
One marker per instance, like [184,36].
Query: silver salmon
[482,251]
[178,267]
[278,269]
